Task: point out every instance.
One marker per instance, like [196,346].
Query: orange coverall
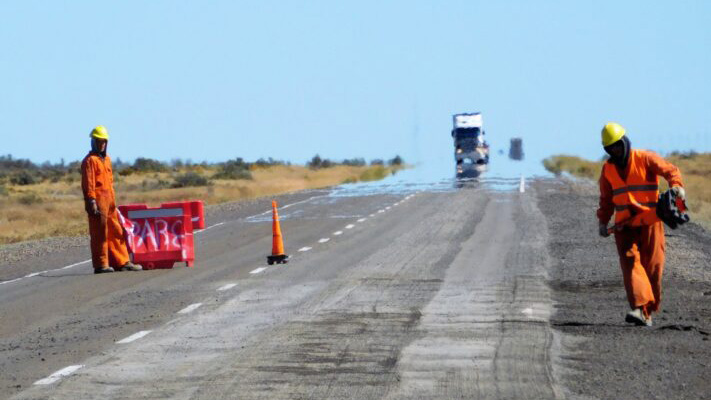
[641,249]
[108,246]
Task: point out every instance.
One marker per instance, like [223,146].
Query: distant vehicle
[516,149]
[470,147]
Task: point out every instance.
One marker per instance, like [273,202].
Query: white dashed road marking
[381,211]
[338,233]
[388,207]
[75,264]
[361,220]
[350,226]
[226,287]
[258,270]
[324,240]
[133,337]
[189,308]
[527,311]
[59,375]
[305,248]
[522,185]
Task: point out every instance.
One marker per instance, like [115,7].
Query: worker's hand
[92,208]
[602,229]
[679,192]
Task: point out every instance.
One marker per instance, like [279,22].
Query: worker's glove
[679,192]
[92,208]
[602,229]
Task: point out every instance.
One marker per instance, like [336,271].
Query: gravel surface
[605,357]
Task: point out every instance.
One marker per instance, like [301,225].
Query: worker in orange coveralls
[108,246]
[629,185]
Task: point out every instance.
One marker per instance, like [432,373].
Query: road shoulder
[604,357]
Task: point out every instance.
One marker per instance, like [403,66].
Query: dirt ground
[606,358]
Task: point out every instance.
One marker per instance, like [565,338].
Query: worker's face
[101,144]
[616,150]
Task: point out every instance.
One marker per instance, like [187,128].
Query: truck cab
[470,147]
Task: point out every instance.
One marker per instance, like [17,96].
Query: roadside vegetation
[695,169]
[38,201]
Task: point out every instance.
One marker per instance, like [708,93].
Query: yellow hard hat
[611,133]
[100,132]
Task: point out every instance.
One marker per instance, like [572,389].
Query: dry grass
[695,170]
[56,209]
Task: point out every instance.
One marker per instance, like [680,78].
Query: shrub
[355,162]
[3,190]
[23,178]
[396,161]
[377,161]
[148,165]
[190,179]
[317,162]
[29,199]
[233,169]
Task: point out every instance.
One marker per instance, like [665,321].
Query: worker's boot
[129,266]
[637,317]
[103,270]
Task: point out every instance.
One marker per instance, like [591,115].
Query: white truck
[470,148]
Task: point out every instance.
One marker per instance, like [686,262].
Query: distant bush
[377,161]
[190,179]
[233,169]
[3,190]
[396,161]
[23,178]
[317,162]
[30,199]
[354,162]
[270,162]
[148,165]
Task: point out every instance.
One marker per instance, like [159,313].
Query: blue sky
[288,79]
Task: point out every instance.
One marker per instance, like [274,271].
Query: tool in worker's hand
[278,255]
[671,209]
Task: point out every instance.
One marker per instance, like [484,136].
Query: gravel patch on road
[604,357]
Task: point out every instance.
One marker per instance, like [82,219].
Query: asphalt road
[397,294]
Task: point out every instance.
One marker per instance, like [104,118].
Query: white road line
[305,249]
[258,270]
[133,337]
[210,227]
[75,264]
[324,240]
[527,311]
[338,233]
[10,281]
[189,308]
[522,185]
[361,220]
[350,226]
[59,375]
[371,215]
[388,207]
[34,274]
[381,211]
[226,287]
[396,204]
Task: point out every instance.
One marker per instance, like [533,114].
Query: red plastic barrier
[196,209]
[159,237]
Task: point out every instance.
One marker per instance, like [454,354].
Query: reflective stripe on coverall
[108,246]
[640,248]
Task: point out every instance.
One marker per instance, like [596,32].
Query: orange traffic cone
[278,255]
